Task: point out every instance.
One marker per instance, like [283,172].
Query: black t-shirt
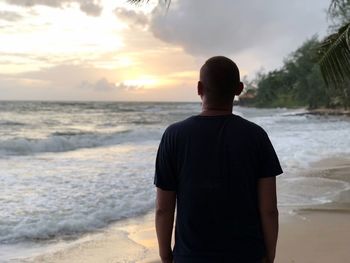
[213,163]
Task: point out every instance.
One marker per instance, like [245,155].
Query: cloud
[207,27]
[125,86]
[102,85]
[132,18]
[90,7]
[62,82]
[10,16]
[70,76]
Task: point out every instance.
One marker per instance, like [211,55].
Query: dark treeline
[299,82]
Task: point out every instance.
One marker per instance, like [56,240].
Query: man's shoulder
[237,122]
[251,126]
[180,125]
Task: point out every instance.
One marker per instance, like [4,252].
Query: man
[219,170]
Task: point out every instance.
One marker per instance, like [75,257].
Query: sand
[319,234]
[315,236]
[131,240]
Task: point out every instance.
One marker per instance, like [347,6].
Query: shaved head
[220,79]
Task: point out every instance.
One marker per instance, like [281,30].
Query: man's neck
[216,111]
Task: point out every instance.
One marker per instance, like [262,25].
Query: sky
[115,51]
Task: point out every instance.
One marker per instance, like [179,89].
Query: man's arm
[165,208]
[269,215]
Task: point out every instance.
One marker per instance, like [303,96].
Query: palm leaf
[335,57]
[167,2]
[338,4]
[137,1]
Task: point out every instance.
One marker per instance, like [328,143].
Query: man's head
[219,82]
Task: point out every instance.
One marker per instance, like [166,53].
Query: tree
[335,49]
[339,13]
[298,83]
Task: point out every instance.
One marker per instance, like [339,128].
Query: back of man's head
[220,79]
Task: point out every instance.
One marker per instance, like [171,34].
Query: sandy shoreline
[330,112]
[318,234]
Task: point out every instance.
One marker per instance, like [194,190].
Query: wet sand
[318,234]
[314,236]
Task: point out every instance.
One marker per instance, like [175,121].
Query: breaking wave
[65,141]
[11,123]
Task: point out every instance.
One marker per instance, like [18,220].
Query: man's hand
[165,208]
[265,260]
[269,215]
[167,260]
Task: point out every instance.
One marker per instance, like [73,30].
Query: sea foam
[74,168]
[68,141]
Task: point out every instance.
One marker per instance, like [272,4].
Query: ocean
[70,168]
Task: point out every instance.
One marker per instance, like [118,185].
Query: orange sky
[111,50]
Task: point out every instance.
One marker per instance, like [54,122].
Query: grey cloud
[80,81]
[132,18]
[10,16]
[206,27]
[124,86]
[73,76]
[102,85]
[90,7]
[29,3]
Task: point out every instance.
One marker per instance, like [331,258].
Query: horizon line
[141,101]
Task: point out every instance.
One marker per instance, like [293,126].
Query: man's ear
[239,89]
[200,88]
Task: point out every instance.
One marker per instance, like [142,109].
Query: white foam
[304,191]
[301,140]
[68,141]
[75,192]
[48,190]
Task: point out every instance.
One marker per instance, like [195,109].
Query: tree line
[298,83]
[315,75]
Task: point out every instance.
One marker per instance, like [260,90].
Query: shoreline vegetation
[315,75]
[328,112]
[298,83]
[319,111]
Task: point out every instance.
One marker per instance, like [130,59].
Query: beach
[101,100]
[318,233]
[313,234]
[77,180]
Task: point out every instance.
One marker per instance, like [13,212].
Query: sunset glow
[114,50]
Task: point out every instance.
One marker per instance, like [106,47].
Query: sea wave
[68,141]
[145,122]
[59,225]
[71,133]
[45,197]
[11,123]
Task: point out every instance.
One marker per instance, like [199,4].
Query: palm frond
[337,4]
[335,57]
[137,1]
[167,2]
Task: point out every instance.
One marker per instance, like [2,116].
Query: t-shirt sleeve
[165,173]
[269,164]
